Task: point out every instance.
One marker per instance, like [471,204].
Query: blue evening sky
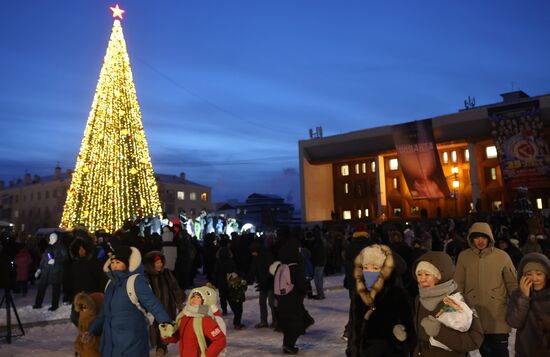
[227,88]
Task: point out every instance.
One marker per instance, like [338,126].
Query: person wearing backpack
[120,322]
[290,290]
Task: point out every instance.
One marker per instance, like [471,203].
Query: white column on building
[474,172]
[380,184]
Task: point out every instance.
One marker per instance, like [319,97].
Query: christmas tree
[113,180]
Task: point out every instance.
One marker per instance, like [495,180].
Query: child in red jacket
[199,326]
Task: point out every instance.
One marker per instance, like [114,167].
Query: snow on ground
[55,337]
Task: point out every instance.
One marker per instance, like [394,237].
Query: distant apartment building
[479,156]
[37,202]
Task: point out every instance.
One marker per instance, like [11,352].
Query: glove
[431,325]
[37,273]
[86,338]
[399,332]
[166,330]
[51,261]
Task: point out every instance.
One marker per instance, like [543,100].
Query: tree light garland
[113,180]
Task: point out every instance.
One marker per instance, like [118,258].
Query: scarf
[197,312]
[430,297]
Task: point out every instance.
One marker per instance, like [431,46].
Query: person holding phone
[529,307]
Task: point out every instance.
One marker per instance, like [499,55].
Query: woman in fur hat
[166,289]
[433,272]
[122,326]
[381,320]
[529,307]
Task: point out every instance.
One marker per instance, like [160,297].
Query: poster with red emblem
[518,132]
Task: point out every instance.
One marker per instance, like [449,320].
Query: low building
[36,202]
[358,175]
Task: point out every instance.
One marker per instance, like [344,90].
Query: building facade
[358,175]
[37,202]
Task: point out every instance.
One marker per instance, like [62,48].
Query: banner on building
[518,132]
[419,160]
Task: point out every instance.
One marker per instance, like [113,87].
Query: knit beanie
[373,254]
[535,266]
[122,253]
[428,267]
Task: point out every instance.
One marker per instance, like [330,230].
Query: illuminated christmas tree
[113,179]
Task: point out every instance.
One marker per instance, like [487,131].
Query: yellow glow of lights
[113,179]
[456,184]
[117,11]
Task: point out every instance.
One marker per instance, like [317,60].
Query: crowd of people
[432,288]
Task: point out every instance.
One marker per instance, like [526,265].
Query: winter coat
[188,343]
[486,278]
[530,315]
[259,268]
[52,273]
[290,311]
[87,306]
[375,313]
[531,247]
[459,342]
[122,327]
[319,252]
[224,265]
[166,289]
[86,272]
[236,289]
[22,262]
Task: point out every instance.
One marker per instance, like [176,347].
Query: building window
[394,164]
[364,167]
[346,188]
[539,203]
[55,192]
[397,211]
[415,210]
[445,157]
[373,167]
[453,156]
[47,194]
[366,212]
[16,198]
[344,170]
[203,196]
[38,196]
[491,152]
[395,183]
[347,215]
[181,195]
[493,173]
[359,213]
[193,196]
[32,195]
[497,205]
[467,155]
[357,171]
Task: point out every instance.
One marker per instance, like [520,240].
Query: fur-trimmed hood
[368,296]
[133,265]
[75,247]
[533,257]
[149,261]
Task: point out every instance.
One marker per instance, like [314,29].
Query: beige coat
[486,278]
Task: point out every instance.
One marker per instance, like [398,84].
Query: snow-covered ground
[56,338]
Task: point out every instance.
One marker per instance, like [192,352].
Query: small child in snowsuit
[199,327]
[236,297]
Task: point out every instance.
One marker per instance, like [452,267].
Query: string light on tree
[113,179]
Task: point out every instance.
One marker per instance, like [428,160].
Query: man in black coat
[259,273]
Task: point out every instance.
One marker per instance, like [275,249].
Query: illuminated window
[346,188]
[373,167]
[491,152]
[366,212]
[453,156]
[359,213]
[445,157]
[497,205]
[456,184]
[181,195]
[466,155]
[394,164]
[193,196]
[415,210]
[493,173]
[344,170]
[347,215]
[364,167]
[395,182]
[539,203]
[203,196]
[357,171]
[397,211]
